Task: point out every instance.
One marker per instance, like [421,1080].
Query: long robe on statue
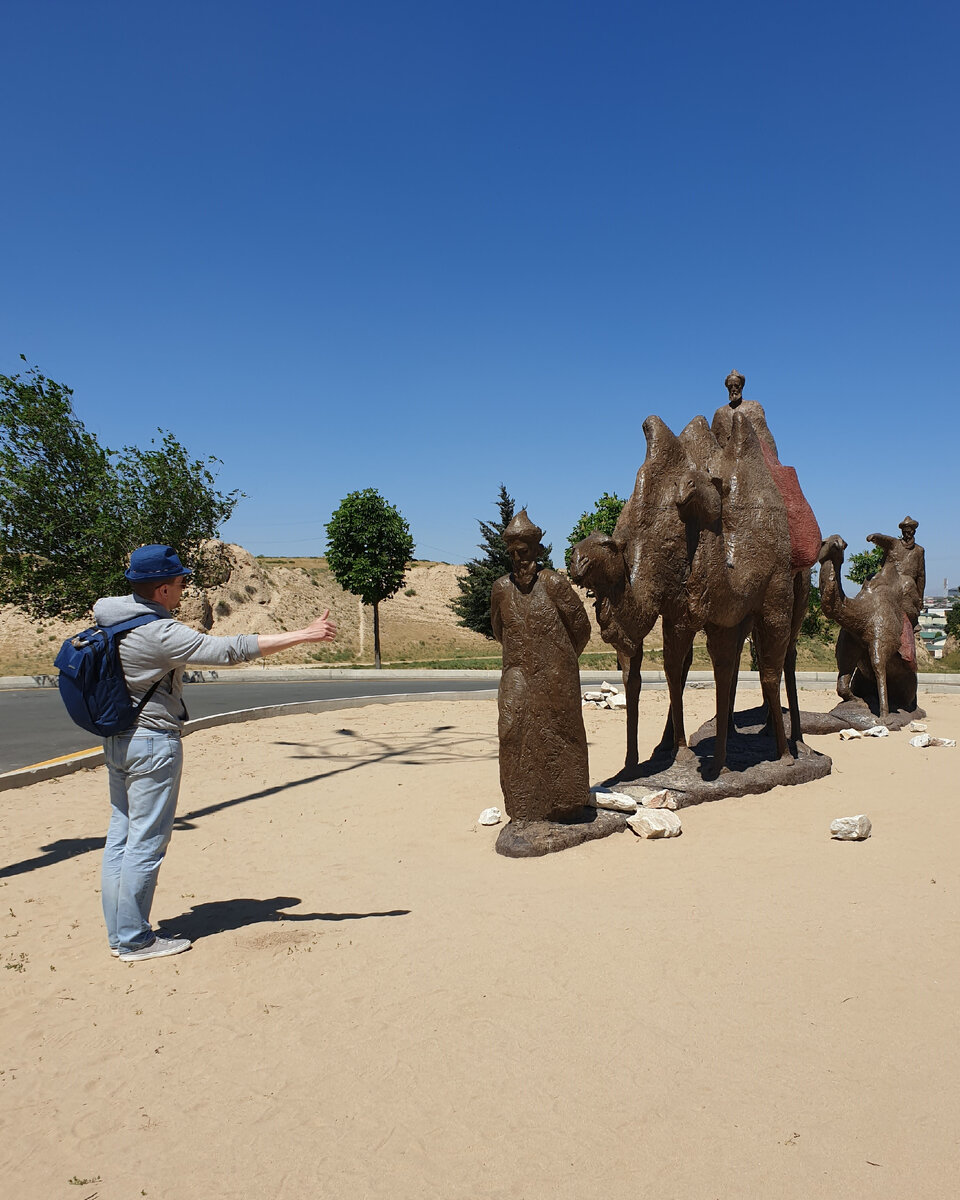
[543,746]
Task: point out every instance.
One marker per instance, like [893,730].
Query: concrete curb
[654,680]
[88,759]
[929,680]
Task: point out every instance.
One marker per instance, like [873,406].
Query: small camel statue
[876,653]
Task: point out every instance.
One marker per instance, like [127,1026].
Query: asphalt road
[34,725]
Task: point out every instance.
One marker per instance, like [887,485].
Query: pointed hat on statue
[522,528]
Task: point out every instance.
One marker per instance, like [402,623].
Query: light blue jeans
[144,771]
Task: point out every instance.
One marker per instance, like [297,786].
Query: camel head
[699,484]
[597,563]
[832,550]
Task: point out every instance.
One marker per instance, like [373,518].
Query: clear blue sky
[427,247]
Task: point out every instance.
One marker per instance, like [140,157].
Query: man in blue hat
[144,763]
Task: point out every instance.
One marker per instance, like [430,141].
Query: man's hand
[322,629]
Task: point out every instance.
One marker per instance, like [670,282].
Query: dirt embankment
[257,595]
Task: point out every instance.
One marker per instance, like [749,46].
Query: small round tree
[368,548]
[603,518]
[863,566]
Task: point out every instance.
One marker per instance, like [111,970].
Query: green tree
[170,498]
[71,510]
[604,518]
[815,624]
[953,620]
[863,566]
[472,606]
[368,548]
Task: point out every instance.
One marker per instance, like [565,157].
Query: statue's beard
[525,574]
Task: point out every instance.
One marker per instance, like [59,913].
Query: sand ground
[378,1005]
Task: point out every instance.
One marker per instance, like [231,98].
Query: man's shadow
[219,916]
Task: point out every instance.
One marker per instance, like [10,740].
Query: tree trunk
[361,626]
[376,635]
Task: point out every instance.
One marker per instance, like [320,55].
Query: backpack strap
[116,632]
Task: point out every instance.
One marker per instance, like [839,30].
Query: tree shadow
[437,745]
[220,916]
[427,747]
[53,853]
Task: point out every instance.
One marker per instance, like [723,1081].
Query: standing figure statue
[543,627]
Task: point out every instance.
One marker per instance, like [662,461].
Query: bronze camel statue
[876,657]
[703,542]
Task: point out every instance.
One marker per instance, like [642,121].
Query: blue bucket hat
[155,562]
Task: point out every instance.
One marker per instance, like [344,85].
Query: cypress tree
[472,606]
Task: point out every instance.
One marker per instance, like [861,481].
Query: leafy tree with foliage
[604,517]
[815,624]
[368,548]
[169,498]
[71,510]
[472,606]
[863,566]
[953,620]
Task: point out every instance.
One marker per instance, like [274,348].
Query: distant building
[932,629]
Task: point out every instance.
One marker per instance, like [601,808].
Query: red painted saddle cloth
[805,536]
[908,644]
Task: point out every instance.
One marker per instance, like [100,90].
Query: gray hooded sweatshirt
[161,650]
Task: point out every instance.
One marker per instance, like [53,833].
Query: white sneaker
[160,947]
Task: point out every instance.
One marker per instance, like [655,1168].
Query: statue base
[531,839]
[751,766]
[856,714]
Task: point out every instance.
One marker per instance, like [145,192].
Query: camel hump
[700,444]
[743,445]
[661,439]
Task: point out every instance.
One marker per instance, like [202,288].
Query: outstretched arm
[885,541]
[320,630]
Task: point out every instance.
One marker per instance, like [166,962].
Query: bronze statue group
[717,537]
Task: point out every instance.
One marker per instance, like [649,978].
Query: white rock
[921,740]
[608,687]
[656,823]
[917,727]
[847,734]
[661,799]
[851,829]
[944,741]
[615,801]
[490,816]
[594,696]
[877,731]
[617,700]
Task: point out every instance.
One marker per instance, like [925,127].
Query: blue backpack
[91,683]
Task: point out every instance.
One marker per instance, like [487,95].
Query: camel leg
[723,645]
[772,646]
[879,666]
[733,683]
[793,700]
[677,657]
[848,652]
[632,682]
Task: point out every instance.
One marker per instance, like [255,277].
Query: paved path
[34,725]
